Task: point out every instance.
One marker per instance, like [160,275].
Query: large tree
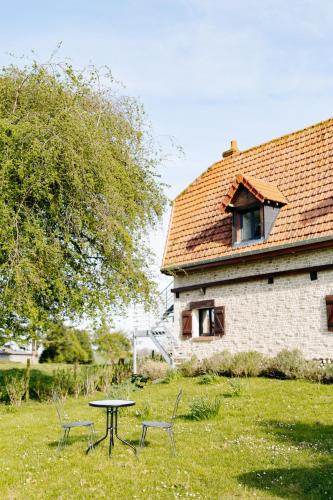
[78,191]
[67,345]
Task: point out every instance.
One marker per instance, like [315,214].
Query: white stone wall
[290,313]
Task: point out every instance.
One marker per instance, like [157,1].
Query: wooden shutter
[187,322]
[329,311]
[219,321]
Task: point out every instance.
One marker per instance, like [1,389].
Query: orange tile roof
[263,191]
[299,165]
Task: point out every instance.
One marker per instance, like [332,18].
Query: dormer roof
[261,190]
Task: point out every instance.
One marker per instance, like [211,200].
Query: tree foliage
[67,345]
[112,345]
[78,192]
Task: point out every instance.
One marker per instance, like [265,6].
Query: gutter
[252,255]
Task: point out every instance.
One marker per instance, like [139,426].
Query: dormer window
[254,205]
[250,224]
[247,217]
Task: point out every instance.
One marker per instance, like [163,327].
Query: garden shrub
[41,385]
[234,388]
[191,367]
[287,365]
[248,364]
[122,391]
[207,379]
[171,375]
[203,407]
[313,371]
[219,363]
[328,374]
[154,370]
[15,386]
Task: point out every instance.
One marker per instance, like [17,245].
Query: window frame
[191,325]
[237,224]
[211,322]
[250,211]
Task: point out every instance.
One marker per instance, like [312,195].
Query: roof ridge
[284,136]
[226,160]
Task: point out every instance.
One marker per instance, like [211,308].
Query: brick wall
[290,313]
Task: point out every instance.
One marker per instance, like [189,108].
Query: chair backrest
[59,406]
[175,409]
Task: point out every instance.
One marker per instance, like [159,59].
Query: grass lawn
[273,441]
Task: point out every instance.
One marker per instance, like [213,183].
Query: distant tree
[112,345]
[67,345]
[78,191]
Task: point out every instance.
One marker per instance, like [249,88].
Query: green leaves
[78,193]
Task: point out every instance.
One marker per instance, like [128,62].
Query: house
[8,355]
[250,246]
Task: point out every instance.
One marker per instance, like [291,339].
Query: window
[206,322]
[329,312]
[202,319]
[250,224]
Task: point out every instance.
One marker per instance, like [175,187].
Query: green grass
[273,441]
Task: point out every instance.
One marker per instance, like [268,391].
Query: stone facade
[290,313]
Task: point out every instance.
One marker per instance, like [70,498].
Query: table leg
[116,433]
[105,435]
[111,427]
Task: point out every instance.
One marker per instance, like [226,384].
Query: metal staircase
[160,326]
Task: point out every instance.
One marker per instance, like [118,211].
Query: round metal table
[111,406]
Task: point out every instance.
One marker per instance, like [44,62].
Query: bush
[203,407]
[154,370]
[219,363]
[171,375]
[287,365]
[15,386]
[41,385]
[248,364]
[123,390]
[235,388]
[328,374]
[314,371]
[191,368]
[207,379]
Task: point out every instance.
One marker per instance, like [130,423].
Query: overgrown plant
[204,407]
[171,375]
[288,364]
[154,370]
[219,363]
[234,387]
[248,364]
[191,367]
[15,387]
[208,379]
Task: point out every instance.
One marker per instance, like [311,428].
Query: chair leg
[172,441]
[67,435]
[143,436]
[63,439]
[90,436]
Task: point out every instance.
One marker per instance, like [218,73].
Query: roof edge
[324,242]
